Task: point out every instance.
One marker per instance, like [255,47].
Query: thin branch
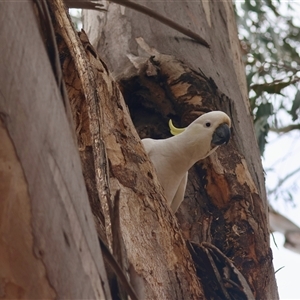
[145,10]
[279,269]
[274,241]
[81,4]
[285,129]
[283,180]
[283,66]
[275,82]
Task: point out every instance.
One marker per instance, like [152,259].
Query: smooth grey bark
[46,222]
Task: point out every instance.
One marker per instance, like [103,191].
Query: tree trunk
[166,75]
[48,247]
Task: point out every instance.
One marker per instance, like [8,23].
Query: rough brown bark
[48,247]
[225,201]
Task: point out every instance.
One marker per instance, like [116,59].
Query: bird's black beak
[221,135]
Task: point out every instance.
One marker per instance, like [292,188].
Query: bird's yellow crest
[174,130]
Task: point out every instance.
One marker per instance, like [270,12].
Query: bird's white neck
[186,152]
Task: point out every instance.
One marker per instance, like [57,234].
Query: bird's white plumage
[174,156]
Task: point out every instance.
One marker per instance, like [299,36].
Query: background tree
[269,39]
[269,32]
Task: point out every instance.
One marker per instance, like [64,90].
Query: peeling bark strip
[220,278]
[222,204]
[81,88]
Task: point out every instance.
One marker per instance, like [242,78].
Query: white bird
[174,156]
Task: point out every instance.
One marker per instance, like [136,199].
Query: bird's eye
[207,124]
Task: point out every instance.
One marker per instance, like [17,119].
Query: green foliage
[270,41]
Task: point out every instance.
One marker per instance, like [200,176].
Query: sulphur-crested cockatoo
[174,156]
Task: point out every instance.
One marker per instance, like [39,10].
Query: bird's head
[212,127]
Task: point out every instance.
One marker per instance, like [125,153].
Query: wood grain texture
[62,242]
